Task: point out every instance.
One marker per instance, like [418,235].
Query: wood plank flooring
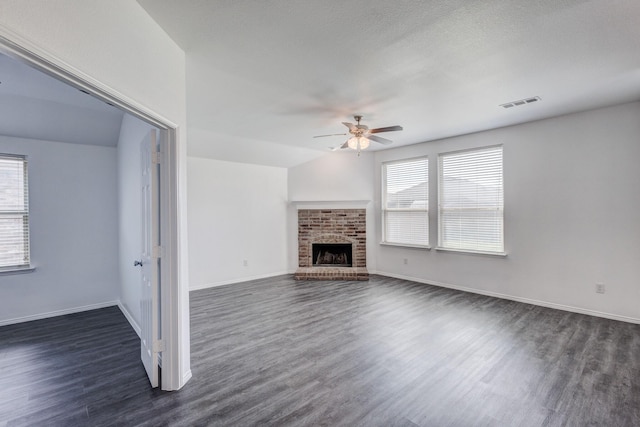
[278,352]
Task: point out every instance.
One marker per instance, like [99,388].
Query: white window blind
[471,200]
[14,213]
[405,202]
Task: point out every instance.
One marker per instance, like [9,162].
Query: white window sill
[406,245]
[471,252]
[18,270]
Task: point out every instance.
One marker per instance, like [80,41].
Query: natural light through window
[14,213]
[471,201]
[405,202]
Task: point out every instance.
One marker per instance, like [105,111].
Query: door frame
[174,319]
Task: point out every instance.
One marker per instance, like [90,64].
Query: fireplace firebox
[332,254]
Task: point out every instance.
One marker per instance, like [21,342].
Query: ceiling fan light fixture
[358,143]
[361,135]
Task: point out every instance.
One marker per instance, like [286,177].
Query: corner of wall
[129,318]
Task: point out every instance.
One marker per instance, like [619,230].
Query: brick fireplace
[332,244]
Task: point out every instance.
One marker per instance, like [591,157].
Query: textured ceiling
[37,106]
[263,77]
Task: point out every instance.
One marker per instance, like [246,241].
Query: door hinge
[156,158]
[158,346]
[156,252]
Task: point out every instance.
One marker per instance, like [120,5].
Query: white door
[150,259]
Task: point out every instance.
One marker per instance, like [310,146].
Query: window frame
[384,209]
[441,223]
[7,211]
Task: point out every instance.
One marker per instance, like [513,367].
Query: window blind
[471,200]
[14,212]
[405,207]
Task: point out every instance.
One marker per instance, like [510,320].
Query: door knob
[137,263]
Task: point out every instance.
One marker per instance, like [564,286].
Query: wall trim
[18,47]
[57,313]
[238,280]
[130,318]
[540,303]
[186,376]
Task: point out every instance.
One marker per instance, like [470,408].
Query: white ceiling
[37,106]
[264,77]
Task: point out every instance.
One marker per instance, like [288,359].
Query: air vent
[520,102]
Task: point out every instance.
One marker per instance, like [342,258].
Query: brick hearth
[332,226]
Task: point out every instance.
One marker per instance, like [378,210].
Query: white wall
[73,224]
[571,214]
[132,133]
[118,45]
[338,176]
[237,212]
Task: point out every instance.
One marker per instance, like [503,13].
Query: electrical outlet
[600,288]
[245,263]
[405,261]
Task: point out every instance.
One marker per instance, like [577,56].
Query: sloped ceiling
[264,77]
[37,106]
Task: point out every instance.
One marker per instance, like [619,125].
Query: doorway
[175,320]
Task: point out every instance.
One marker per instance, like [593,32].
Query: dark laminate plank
[387,352]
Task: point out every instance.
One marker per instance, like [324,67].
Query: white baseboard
[238,280]
[130,318]
[516,298]
[186,376]
[57,313]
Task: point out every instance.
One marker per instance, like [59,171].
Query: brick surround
[332,226]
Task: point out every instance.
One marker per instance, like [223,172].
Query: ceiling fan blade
[345,145]
[331,134]
[385,129]
[351,126]
[380,139]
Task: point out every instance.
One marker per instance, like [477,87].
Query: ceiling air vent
[520,102]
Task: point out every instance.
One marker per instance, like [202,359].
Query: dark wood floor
[381,353]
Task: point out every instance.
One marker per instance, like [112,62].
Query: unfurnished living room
[338,213]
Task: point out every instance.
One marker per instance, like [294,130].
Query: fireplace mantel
[329,204]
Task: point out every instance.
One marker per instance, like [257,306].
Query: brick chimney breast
[347,226]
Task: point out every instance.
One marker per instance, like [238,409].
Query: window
[405,202]
[14,213]
[471,200]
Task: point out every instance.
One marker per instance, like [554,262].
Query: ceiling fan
[362,135]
